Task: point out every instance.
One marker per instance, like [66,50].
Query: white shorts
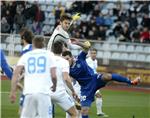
[37,105]
[63,99]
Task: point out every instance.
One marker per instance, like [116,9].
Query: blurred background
[119,30]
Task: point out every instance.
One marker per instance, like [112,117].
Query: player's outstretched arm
[14,82]
[69,84]
[54,78]
[85,45]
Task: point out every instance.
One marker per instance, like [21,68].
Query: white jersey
[62,65]
[37,64]
[58,34]
[60,96]
[92,63]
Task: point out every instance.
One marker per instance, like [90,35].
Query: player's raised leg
[119,78]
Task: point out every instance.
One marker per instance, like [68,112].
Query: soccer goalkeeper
[61,31]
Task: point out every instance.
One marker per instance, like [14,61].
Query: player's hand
[12,97]
[53,88]
[75,96]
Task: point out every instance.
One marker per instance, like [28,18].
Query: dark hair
[22,30]
[65,17]
[57,47]
[38,42]
[67,53]
[27,36]
[93,49]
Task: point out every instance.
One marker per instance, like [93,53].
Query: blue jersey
[26,49]
[85,76]
[4,65]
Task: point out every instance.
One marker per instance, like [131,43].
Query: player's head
[57,47]
[93,53]
[38,42]
[26,37]
[22,30]
[65,21]
[68,56]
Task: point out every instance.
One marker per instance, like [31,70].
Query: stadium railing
[122,53]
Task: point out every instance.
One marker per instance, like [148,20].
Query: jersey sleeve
[21,61]
[5,67]
[52,60]
[82,55]
[65,67]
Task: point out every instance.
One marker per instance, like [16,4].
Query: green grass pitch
[117,104]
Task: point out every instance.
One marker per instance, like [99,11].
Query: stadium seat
[122,48]
[106,46]
[132,57]
[115,55]
[9,39]
[51,15]
[139,49]
[130,48]
[99,54]
[124,56]
[140,57]
[114,47]
[10,47]
[41,2]
[17,39]
[147,49]
[97,46]
[50,8]
[18,48]
[43,7]
[147,58]
[3,46]
[107,55]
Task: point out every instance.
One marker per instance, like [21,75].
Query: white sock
[67,115]
[99,105]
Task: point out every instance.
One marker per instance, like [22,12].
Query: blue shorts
[21,100]
[88,92]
